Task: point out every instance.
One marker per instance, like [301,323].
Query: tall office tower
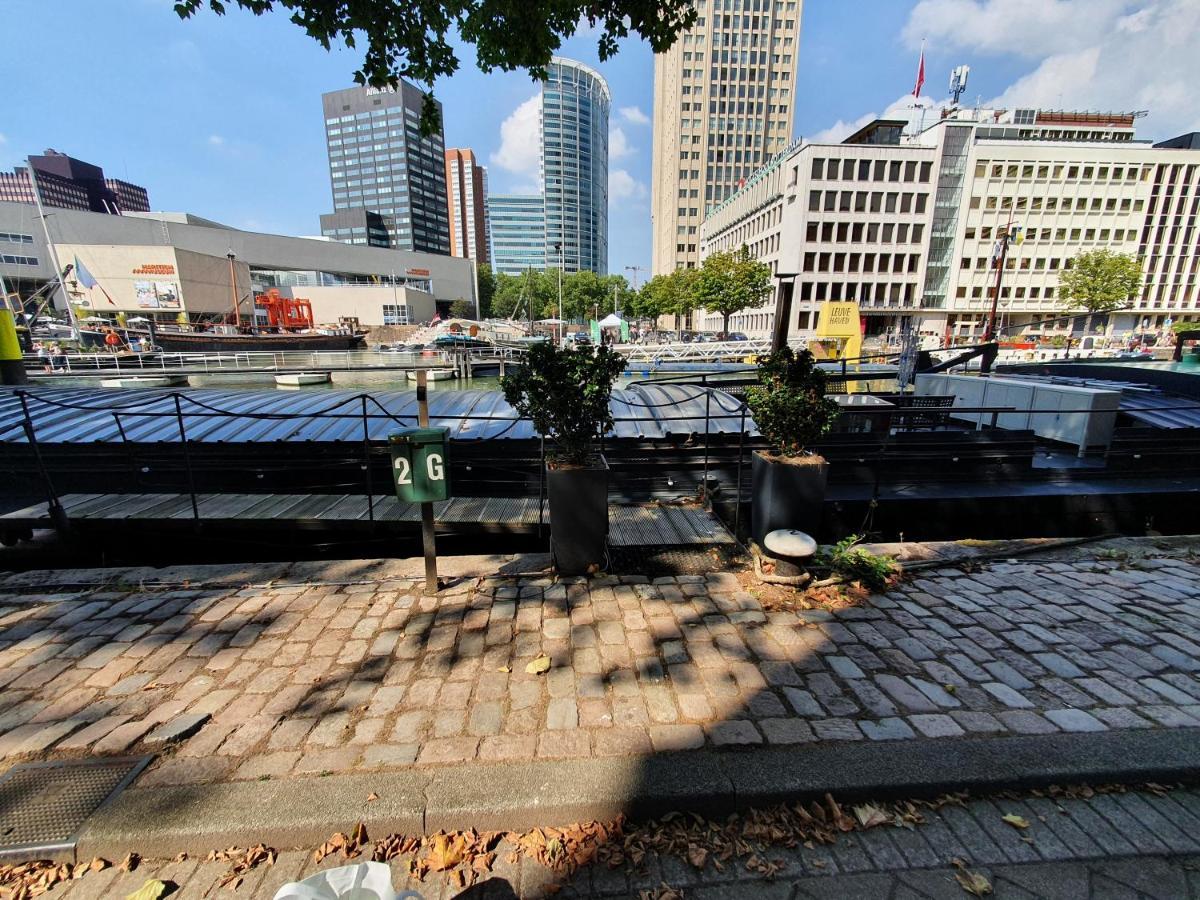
[570,215]
[466,189]
[68,183]
[518,230]
[724,97]
[389,182]
[574,120]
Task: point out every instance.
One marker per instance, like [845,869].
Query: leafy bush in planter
[565,393]
[789,403]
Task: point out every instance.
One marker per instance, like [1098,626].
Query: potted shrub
[565,393]
[791,411]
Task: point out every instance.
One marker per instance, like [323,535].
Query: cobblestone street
[278,680]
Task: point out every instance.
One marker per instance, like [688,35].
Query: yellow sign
[841,321]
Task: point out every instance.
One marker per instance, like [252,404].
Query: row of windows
[1023,264]
[19,260]
[891,292]
[1057,172]
[1059,204]
[895,170]
[861,262]
[1058,234]
[866,201]
[864,232]
[16,237]
[1033,293]
[395,314]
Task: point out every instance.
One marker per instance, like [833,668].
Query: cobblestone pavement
[275,680]
[1131,845]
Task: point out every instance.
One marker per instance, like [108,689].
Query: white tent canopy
[612,320]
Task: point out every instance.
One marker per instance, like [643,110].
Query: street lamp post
[561,264]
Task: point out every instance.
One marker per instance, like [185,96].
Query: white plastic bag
[362,881]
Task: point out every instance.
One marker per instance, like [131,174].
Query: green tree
[1100,281]
[487,290]
[730,282]
[416,39]
[669,295]
[462,309]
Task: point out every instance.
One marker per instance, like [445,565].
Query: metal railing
[697,351]
[367,409]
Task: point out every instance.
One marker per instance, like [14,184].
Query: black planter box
[785,496]
[578,517]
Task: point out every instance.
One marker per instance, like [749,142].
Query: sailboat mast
[50,248]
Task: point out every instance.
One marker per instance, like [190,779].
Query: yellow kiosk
[838,334]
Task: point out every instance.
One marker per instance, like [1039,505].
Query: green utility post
[421,472]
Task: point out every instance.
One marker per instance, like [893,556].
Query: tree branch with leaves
[732,281]
[413,39]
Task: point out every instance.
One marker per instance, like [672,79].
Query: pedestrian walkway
[280,680]
[1135,844]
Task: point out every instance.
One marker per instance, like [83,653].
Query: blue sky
[222,116]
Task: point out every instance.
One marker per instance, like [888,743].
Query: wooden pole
[428,537]
[237,306]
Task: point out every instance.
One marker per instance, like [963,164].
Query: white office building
[905,225]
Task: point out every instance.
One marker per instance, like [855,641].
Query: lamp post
[783,309]
[561,265]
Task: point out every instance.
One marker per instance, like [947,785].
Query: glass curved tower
[574,121]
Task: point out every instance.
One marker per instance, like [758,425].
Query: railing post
[367,462]
[187,457]
[737,505]
[133,469]
[707,426]
[54,508]
[542,485]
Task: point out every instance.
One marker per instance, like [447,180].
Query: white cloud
[1085,54]
[618,145]
[634,115]
[215,140]
[905,107]
[520,139]
[3,138]
[623,186]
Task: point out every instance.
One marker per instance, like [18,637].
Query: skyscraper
[389,182]
[573,203]
[466,190]
[724,96]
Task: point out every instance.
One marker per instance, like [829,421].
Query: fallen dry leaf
[504,669]
[1016,821]
[697,856]
[98,865]
[153,889]
[971,882]
[130,862]
[869,815]
[372,797]
[445,852]
[539,666]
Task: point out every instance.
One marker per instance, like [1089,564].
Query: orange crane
[285,313]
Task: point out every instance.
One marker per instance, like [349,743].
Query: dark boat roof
[70,415]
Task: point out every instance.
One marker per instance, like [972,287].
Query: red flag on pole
[920,73]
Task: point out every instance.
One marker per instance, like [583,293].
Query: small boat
[435,375]
[298,379]
[144,381]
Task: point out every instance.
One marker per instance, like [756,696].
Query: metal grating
[43,805]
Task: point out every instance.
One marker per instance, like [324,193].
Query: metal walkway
[629,525]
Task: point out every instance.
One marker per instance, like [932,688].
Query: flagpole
[58,270]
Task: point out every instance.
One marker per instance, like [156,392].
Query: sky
[221,116]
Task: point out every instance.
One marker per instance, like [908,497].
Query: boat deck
[630,525]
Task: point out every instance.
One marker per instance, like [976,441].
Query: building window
[395,314]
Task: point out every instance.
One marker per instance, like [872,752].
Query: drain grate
[686,560]
[43,805]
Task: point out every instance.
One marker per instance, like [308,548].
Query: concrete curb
[164,821]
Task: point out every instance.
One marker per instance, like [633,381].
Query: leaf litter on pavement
[464,857]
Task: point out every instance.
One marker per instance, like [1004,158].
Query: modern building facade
[518,229]
[908,229]
[575,110]
[466,192]
[162,265]
[724,96]
[566,224]
[68,183]
[388,181]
